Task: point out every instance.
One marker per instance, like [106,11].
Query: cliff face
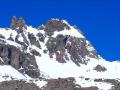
[54,56]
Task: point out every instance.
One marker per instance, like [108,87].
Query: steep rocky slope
[54,56]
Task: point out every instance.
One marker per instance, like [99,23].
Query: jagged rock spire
[21,23]
[14,23]
[18,24]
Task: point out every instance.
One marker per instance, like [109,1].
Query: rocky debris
[112,81]
[60,84]
[100,68]
[53,84]
[65,84]
[115,83]
[116,87]
[20,24]
[55,25]
[17,85]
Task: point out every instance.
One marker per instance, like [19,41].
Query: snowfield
[8,73]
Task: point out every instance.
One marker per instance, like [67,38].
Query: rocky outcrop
[17,85]
[115,83]
[15,57]
[76,47]
[33,40]
[55,25]
[116,87]
[65,84]
[61,84]
[100,68]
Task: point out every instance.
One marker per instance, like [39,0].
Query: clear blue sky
[99,20]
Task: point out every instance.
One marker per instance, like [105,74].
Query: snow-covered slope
[8,73]
[60,51]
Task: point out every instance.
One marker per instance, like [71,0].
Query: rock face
[18,57]
[17,85]
[76,47]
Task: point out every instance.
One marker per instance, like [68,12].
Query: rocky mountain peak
[54,25]
[56,53]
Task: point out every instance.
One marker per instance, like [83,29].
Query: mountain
[54,56]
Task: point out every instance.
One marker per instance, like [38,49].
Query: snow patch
[72,32]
